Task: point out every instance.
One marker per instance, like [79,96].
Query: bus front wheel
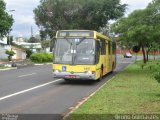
[112,67]
[66,80]
[101,75]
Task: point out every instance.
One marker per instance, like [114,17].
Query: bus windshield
[75,51]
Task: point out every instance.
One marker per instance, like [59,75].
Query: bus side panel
[98,68]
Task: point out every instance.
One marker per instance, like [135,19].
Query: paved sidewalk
[18,63]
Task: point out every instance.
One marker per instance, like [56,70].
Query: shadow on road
[78,82]
[87,82]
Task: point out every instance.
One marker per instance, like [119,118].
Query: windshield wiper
[68,41]
[81,40]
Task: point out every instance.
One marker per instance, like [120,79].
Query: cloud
[23,3]
[24,30]
[24,17]
[23,10]
[135,4]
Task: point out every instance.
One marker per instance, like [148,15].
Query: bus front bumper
[80,76]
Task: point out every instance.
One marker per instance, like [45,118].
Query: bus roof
[99,35]
[81,34]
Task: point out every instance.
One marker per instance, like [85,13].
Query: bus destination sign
[75,34]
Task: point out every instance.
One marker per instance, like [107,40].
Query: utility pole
[31,32]
[9,42]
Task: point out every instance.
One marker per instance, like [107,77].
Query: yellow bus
[83,54]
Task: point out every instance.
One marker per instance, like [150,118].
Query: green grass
[133,91]
[3,67]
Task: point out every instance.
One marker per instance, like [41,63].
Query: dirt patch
[125,87]
[150,107]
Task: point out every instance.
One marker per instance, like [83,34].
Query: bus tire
[101,74]
[112,67]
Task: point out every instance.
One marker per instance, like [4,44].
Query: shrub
[157,76]
[29,53]
[41,57]
[36,57]
[49,57]
[156,72]
[10,53]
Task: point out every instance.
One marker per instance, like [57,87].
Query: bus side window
[97,52]
[114,47]
[103,48]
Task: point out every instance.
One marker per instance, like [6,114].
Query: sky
[24,17]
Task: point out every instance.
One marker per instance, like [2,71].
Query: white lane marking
[125,62]
[27,90]
[27,75]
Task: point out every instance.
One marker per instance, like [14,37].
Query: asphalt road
[32,90]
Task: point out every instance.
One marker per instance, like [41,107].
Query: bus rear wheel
[112,67]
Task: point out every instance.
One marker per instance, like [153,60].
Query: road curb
[88,97]
[22,66]
[85,99]
[43,64]
[8,69]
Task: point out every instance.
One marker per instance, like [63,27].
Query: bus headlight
[89,72]
[56,71]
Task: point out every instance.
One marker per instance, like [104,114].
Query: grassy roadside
[1,67]
[133,91]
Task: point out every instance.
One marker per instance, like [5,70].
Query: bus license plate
[72,76]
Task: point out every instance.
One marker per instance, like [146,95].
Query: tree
[6,20]
[52,15]
[10,54]
[154,18]
[139,28]
[43,35]
[45,44]
[10,40]
[28,52]
[33,40]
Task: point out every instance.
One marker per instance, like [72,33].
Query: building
[3,48]
[20,54]
[35,47]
